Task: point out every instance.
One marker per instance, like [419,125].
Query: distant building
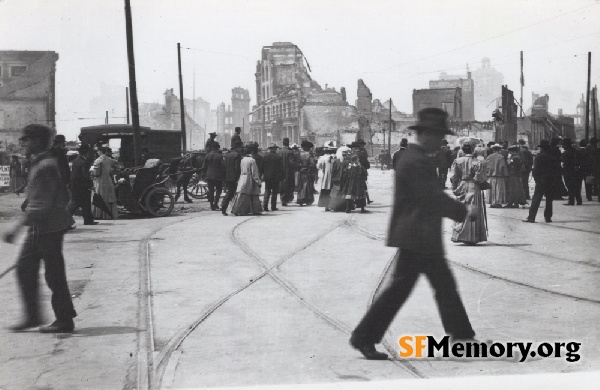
[467,86]
[447,99]
[488,87]
[235,115]
[27,92]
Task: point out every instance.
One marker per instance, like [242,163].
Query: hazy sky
[394,46]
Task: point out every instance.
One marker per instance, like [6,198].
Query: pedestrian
[272,174]
[339,175]
[573,170]
[231,163]
[103,183]
[257,157]
[416,229]
[81,185]
[354,189]
[593,164]
[480,152]
[246,200]
[504,151]
[210,141]
[46,219]
[212,170]
[515,195]
[527,158]
[396,156]
[306,175]
[467,176]
[288,184]
[496,169]
[444,163]
[455,152]
[546,169]
[236,138]
[324,165]
[59,152]
[15,173]
[363,158]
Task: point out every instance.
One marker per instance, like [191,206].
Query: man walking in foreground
[416,229]
[47,219]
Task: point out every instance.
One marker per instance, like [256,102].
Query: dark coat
[396,156]
[60,155]
[573,163]
[235,138]
[547,172]
[232,163]
[420,204]
[363,158]
[209,144]
[212,167]
[259,162]
[80,175]
[445,158]
[289,161]
[272,167]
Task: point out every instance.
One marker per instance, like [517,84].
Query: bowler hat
[238,129]
[306,144]
[213,133]
[84,148]
[286,141]
[59,138]
[403,142]
[432,119]
[36,131]
[544,144]
[360,142]
[273,146]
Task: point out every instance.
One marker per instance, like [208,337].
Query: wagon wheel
[197,188]
[159,202]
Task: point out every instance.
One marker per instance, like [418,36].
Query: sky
[394,46]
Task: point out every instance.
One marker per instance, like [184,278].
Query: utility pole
[135,116]
[193,144]
[127,102]
[587,103]
[522,84]
[390,129]
[594,105]
[181,105]
[106,118]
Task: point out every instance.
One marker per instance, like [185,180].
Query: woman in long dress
[103,184]
[246,200]
[355,187]
[467,175]
[306,175]
[324,164]
[514,187]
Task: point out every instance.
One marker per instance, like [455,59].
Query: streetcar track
[552,225]
[478,271]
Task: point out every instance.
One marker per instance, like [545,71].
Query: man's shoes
[327,209]
[27,324]
[569,204]
[265,208]
[274,209]
[529,220]
[369,351]
[91,223]
[59,326]
[548,220]
[284,204]
[371,201]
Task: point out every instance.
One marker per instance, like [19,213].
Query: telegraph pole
[390,129]
[181,106]
[594,105]
[137,140]
[127,102]
[522,84]
[587,103]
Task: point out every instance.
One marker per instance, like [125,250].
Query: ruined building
[27,92]
[235,115]
[488,88]
[447,99]
[467,86]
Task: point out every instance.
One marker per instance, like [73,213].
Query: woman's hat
[432,119]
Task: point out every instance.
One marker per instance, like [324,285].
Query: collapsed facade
[27,92]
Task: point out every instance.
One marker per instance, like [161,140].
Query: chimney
[560,112]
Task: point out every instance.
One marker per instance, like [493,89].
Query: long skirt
[514,190]
[324,198]
[306,189]
[246,204]
[99,214]
[337,201]
[497,194]
[470,231]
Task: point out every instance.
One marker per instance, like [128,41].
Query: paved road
[271,299]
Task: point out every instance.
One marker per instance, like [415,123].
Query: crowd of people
[288,172]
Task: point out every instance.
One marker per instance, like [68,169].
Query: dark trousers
[525,181]
[443,176]
[271,191]
[231,187]
[82,198]
[214,190]
[288,186]
[573,184]
[541,189]
[409,265]
[46,246]
[589,188]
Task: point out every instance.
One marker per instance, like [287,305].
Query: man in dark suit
[397,153]
[288,183]
[444,163]
[212,169]
[81,185]
[573,171]
[272,174]
[235,138]
[416,229]
[231,162]
[527,158]
[546,173]
[210,143]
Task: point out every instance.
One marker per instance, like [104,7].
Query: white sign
[4,175]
